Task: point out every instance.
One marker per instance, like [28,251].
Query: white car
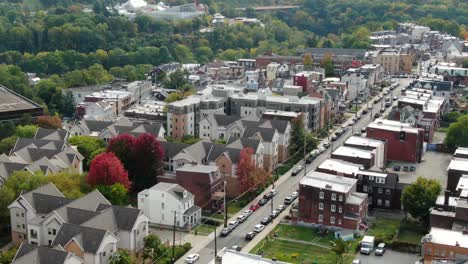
[259,228]
[192,258]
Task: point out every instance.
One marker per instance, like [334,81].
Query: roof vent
[328,186]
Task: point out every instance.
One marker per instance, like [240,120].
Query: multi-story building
[164,200]
[383,189]
[434,87]
[28,253]
[119,100]
[378,147]
[461,153]
[308,80]
[415,117]
[331,200]
[456,75]
[183,117]
[457,167]
[366,158]
[389,58]
[342,58]
[14,106]
[405,143]
[340,168]
[101,110]
[356,85]
[445,246]
[45,217]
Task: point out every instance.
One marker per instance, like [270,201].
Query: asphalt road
[286,186]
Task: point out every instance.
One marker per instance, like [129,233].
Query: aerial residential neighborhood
[234,132]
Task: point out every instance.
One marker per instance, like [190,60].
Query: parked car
[334,137]
[326,144]
[233,223]
[396,168]
[192,258]
[273,192]
[241,218]
[364,130]
[250,235]
[266,220]
[262,202]
[357,133]
[274,214]
[310,158]
[382,110]
[236,248]
[247,213]
[297,169]
[226,231]
[395,98]
[268,196]
[380,249]
[388,104]
[351,123]
[295,195]
[258,228]
[288,200]
[365,111]
[254,207]
[376,115]
[281,207]
[356,261]
[321,149]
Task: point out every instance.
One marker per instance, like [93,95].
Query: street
[285,185]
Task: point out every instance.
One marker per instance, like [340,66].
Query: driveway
[390,257]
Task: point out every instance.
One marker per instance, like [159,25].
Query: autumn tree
[122,146]
[245,169]
[149,155]
[327,64]
[52,122]
[308,61]
[106,169]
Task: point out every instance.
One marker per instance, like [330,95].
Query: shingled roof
[51,134]
[28,253]
[89,238]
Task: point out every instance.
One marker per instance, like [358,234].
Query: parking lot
[390,257]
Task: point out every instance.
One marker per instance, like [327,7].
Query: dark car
[262,202]
[364,111]
[268,196]
[382,110]
[310,158]
[266,220]
[226,231]
[250,235]
[396,168]
[376,115]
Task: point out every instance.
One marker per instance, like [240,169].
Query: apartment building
[434,87]
[456,169]
[415,117]
[331,200]
[405,143]
[89,227]
[183,117]
[14,106]
[389,58]
[366,158]
[445,246]
[378,148]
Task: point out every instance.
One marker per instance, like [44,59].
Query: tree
[340,247]
[419,197]
[6,257]
[116,193]
[308,61]
[122,257]
[150,156]
[51,122]
[245,169]
[122,146]
[86,146]
[327,63]
[465,63]
[94,154]
[7,128]
[7,144]
[297,134]
[457,134]
[177,80]
[69,184]
[106,169]
[153,247]
[27,131]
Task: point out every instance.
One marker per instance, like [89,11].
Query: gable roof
[44,203]
[28,253]
[78,216]
[225,120]
[280,125]
[47,189]
[39,143]
[125,216]
[89,238]
[218,149]
[51,134]
[88,202]
[240,143]
[266,133]
[96,126]
[171,148]
[174,190]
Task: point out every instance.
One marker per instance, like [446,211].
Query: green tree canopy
[419,197]
[457,135]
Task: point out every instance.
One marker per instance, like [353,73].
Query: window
[332,220]
[321,195]
[341,198]
[333,208]
[17,214]
[104,254]
[320,218]
[387,191]
[333,196]
[54,232]
[380,190]
[24,226]
[340,210]
[320,206]
[379,202]
[387,203]
[371,178]
[49,231]
[364,188]
[162,206]
[339,221]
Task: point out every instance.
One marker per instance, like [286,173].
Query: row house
[433,107]
[107,130]
[434,87]
[89,227]
[405,142]
[330,200]
[415,117]
[456,75]
[456,169]
[445,246]
[342,58]
[308,80]
[383,188]
[376,146]
[366,158]
[47,152]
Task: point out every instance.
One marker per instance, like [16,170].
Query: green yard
[204,229]
[297,252]
[411,233]
[384,229]
[304,234]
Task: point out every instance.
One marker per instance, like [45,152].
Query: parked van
[367,244]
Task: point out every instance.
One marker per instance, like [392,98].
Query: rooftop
[362,141]
[198,168]
[186,102]
[458,164]
[447,237]
[328,181]
[340,166]
[234,257]
[353,152]
[11,101]
[393,126]
[461,151]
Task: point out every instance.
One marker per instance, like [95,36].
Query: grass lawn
[384,228]
[204,229]
[303,233]
[442,129]
[233,208]
[296,252]
[411,233]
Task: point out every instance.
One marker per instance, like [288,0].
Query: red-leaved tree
[148,156]
[245,169]
[52,122]
[122,147]
[106,169]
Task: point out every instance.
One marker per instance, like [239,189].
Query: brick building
[455,170]
[405,143]
[331,200]
[446,246]
[378,148]
[383,189]
[340,168]
[366,158]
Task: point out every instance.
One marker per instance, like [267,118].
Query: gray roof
[171,148]
[28,254]
[94,125]
[240,143]
[88,202]
[125,217]
[266,133]
[280,125]
[51,134]
[78,216]
[48,189]
[89,238]
[199,150]
[6,168]
[225,120]
[174,190]
[218,149]
[44,203]
[192,210]
[40,143]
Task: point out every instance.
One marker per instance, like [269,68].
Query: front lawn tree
[246,169]
[419,197]
[106,169]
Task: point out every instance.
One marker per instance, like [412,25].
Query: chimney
[446,197]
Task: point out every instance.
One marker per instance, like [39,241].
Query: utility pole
[216,245]
[225,205]
[305,152]
[173,238]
